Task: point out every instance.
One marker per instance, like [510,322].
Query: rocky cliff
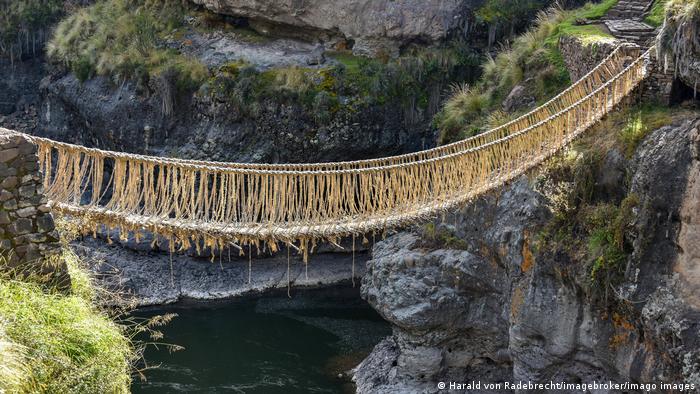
[368,26]
[96,113]
[679,41]
[498,298]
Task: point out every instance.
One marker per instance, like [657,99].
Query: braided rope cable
[197,204]
[580,89]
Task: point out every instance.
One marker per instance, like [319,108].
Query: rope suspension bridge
[223,205]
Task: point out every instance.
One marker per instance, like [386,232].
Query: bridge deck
[219,204]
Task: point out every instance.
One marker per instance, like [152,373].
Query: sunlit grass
[69,345]
[656,15]
[642,120]
[586,32]
[120,38]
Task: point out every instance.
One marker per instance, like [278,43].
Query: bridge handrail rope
[213,206]
[586,81]
[580,89]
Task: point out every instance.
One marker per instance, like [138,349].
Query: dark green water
[270,344]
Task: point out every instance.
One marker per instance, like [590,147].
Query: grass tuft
[656,15]
[124,39]
[14,365]
[641,120]
[533,53]
[70,346]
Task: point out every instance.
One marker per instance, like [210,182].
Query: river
[267,344]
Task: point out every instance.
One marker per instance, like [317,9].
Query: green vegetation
[413,80]
[528,55]
[656,15]
[120,38]
[58,343]
[535,54]
[569,26]
[606,225]
[349,61]
[507,14]
[641,120]
[127,39]
[435,236]
[591,222]
[14,369]
[23,25]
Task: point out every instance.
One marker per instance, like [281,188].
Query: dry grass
[468,109]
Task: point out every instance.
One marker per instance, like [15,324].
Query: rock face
[19,93]
[27,234]
[95,113]
[374,26]
[504,308]
[450,308]
[518,99]
[679,45]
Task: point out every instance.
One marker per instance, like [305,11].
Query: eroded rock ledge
[371,26]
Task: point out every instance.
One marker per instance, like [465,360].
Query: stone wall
[28,238]
[659,85]
[580,57]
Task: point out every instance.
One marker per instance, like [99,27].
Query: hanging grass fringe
[213,206]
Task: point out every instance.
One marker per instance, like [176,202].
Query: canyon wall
[492,302]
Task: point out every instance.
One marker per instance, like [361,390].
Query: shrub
[535,53]
[530,54]
[465,104]
[641,120]
[607,247]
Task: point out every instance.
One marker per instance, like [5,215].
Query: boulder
[517,99]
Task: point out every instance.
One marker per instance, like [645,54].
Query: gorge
[580,270]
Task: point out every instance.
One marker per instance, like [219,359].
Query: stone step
[628,25]
[629,9]
[631,30]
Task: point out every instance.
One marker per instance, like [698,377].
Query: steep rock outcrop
[169,279]
[373,25]
[679,42]
[450,308]
[505,307]
[558,333]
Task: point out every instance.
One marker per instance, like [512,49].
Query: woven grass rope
[217,206]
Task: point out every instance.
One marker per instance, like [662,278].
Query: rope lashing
[208,205]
